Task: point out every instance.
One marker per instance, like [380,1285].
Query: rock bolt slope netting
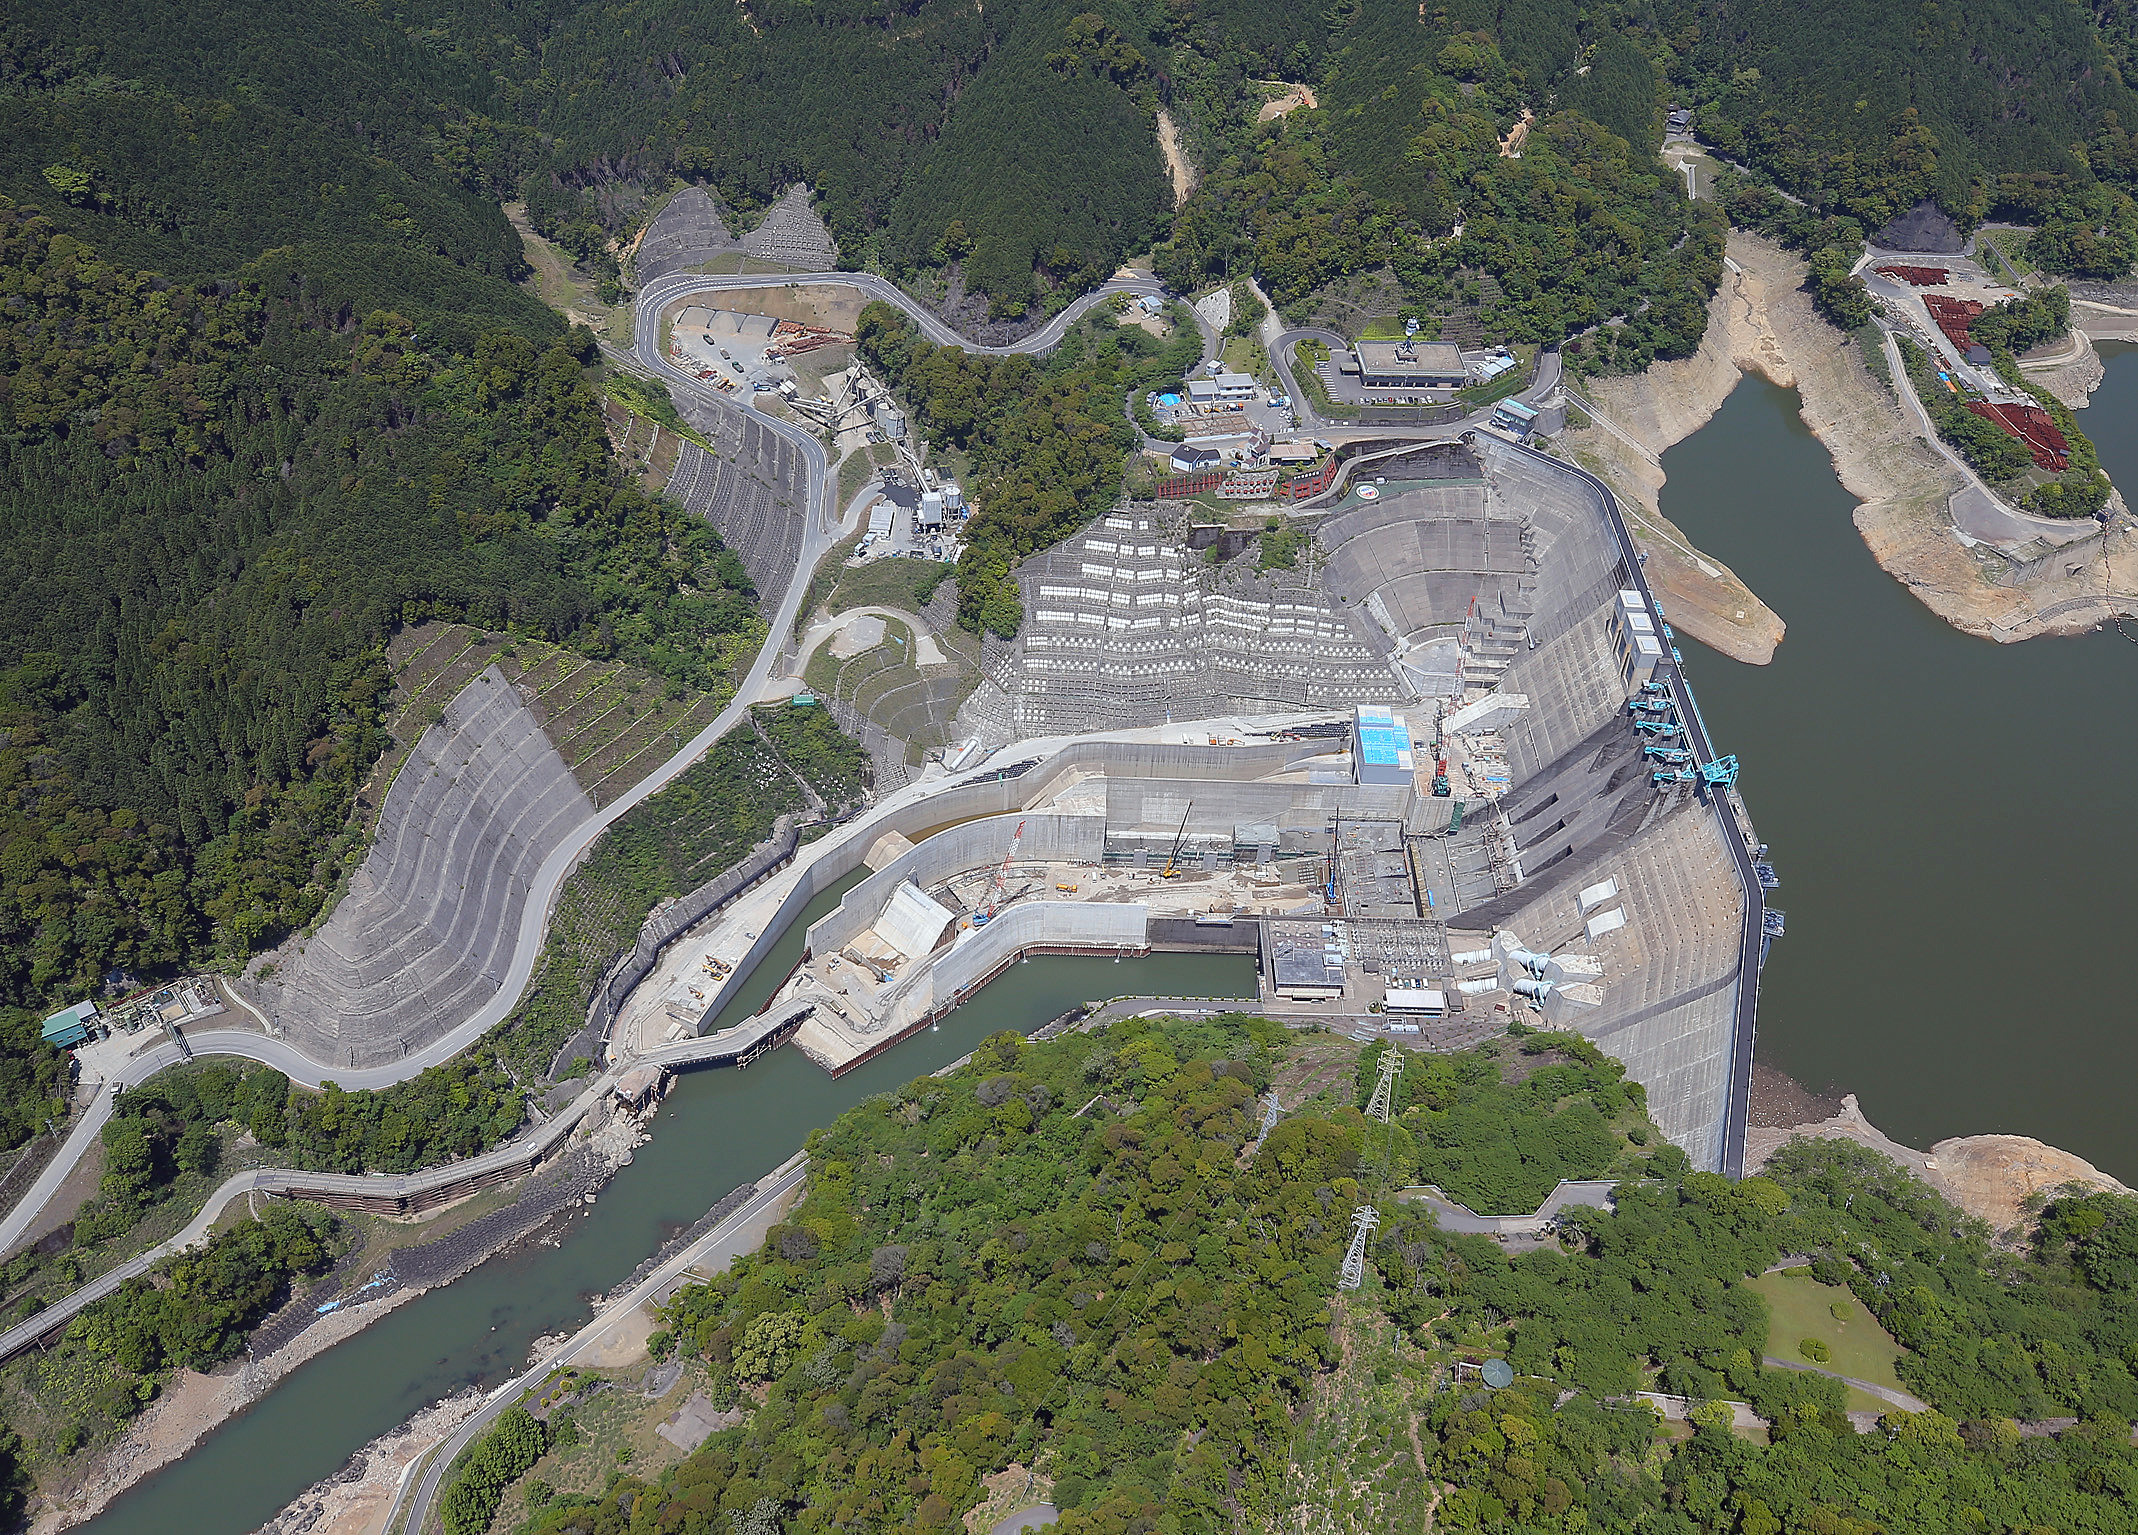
[425,933]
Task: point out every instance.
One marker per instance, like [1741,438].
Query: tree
[768,1345]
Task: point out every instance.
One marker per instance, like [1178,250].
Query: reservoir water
[1953,820]
[717,1129]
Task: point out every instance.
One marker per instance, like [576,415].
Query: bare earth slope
[1762,321]
[1988,1176]
[1645,415]
[426,930]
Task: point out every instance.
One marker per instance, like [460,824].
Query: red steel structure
[1954,316]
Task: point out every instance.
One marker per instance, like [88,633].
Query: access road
[739,1233]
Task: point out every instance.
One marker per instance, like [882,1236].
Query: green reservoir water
[717,1129]
[1953,820]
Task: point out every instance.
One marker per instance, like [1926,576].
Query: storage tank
[953,498]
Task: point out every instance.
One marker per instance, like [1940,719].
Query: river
[717,1129]
[1952,819]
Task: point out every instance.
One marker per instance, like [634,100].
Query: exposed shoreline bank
[1762,321]
[1991,1177]
[194,1405]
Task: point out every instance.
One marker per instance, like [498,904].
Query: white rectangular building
[1638,638]
[1415,1000]
[1381,750]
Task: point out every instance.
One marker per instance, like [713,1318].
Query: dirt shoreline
[193,1405]
[1992,1177]
[1762,321]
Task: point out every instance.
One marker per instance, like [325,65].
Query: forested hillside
[1046,438]
[218,499]
[1071,1258]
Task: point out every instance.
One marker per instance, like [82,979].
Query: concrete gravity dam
[1508,807]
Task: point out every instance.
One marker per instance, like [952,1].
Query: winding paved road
[819,533]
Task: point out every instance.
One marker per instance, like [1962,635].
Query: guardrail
[414,1193]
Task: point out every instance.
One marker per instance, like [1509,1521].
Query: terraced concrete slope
[424,935]
[687,233]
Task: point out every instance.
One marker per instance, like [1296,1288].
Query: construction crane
[1671,775]
[1172,868]
[1336,844]
[1667,755]
[1722,772]
[1002,879]
[1654,688]
[1647,705]
[1664,728]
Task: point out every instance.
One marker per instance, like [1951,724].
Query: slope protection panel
[753,489]
[425,933]
[687,233]
[1126,626]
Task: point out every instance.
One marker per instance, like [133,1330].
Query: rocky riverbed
[193,1405]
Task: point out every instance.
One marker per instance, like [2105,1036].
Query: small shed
[641,1085]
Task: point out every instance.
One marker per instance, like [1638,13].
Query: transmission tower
[1363,1220]
[1384,1090]
[1270,1116]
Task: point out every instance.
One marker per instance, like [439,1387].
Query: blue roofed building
[1381,751]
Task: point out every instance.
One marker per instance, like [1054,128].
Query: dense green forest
[193,1311]
[1072,1256]
[218,498]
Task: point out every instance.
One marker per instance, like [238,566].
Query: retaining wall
[986,795]
[1066,838]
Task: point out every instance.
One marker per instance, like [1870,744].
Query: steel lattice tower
[1363,1220]
[1384,1090]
